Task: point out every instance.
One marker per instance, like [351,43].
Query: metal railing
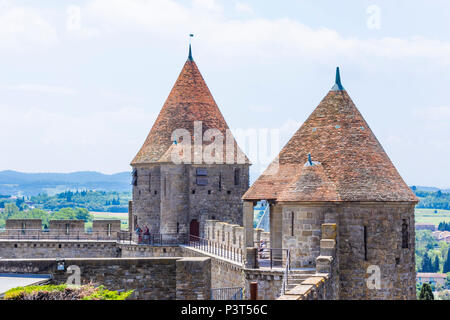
[216,248]
[164,239]
[286,273]
[232,293]
[272,257]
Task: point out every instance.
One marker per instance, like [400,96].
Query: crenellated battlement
[232,235]
[31,229]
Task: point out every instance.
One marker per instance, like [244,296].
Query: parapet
[107,227]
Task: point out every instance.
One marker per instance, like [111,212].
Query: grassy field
[422,216]
[429,216]
[122,216]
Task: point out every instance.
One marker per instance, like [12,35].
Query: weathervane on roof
[338,85]
[190,50]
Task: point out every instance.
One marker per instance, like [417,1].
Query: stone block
[329,231]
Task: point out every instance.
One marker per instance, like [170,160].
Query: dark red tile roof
[353,164]
[190,100]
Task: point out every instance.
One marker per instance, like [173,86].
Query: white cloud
[210,5]
[39,88]
[54,141]
[243,7]
[23,27]
[433,113]
[255,37]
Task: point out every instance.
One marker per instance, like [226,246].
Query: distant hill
[429,189]
[28,184]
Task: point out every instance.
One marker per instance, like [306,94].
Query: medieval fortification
[341,217]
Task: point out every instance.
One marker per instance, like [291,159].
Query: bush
[65,292]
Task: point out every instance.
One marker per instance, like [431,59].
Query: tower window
[165,186]
[201,172]
[292,223]
[193,191]
[365,243]
[178,227]
[201,181]
[149,182]
[237,173]
[405,234]
[220,181]
[135,176]
[156,192]
[209,191]
[228,192]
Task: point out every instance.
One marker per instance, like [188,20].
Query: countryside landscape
[40,197]
[244,150]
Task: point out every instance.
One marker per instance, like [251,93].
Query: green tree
[446,267]
[436,264]
[427,265]
[426,293]
[11,209]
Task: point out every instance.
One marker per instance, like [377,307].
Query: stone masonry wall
[147,197]
[312,288]
[23,226]
[161,186]
[193,279]
[220,199]
[232,235]
[150,278]
[10,249]
[383,222]
[301,232]
[228,274]
[131,250]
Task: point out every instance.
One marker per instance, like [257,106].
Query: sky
[81,82]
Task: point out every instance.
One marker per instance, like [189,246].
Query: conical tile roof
[355,165]
[190,100]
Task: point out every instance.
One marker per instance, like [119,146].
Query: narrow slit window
[220,181]
[150,182]
[405,234]
[135,176]
[365,243]
[165,186]
[292,223]
[237,173]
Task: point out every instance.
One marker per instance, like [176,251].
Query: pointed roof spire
[189,96]
[338,85]
[190,49]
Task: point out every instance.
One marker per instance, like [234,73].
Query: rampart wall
[150,278]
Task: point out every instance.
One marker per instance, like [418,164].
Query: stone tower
[334,170]
[190,168]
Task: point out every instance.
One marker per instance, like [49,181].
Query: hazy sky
[81,82]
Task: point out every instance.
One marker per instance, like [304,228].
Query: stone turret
[334,170]
[190,168]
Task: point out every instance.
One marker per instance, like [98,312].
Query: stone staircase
[295,277]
